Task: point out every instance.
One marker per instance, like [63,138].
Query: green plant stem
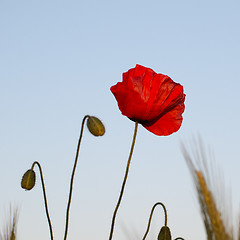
[72,177]
[45,197]
[150,218]
[124,181]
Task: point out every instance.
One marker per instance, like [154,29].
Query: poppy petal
[169,122]
[154,100]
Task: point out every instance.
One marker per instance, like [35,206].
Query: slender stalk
[124,181]
[45,198]
[150,218]
[179,238]
[72,177]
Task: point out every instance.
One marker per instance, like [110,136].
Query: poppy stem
[45,197]
[72,177]
[124,181]
[150,218]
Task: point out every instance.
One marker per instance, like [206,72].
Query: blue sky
[58,60]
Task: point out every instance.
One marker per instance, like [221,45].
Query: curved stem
[179,238]
[45,197]
[124,181]
[150,218]
[72,177]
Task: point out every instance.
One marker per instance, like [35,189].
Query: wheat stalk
[212,216]
[211,199]
[9,232]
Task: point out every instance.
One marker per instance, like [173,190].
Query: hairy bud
[95,126]
[164,234]
[28,180]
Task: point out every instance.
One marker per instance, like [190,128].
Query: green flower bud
[164,234]
[28,180]
[95,126]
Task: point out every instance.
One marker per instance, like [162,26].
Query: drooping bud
[28,180]
[95,126]
[164,234]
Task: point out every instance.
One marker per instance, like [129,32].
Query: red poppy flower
[153,100]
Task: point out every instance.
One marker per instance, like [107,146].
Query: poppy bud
[95,126]
[28,180]
[164,234]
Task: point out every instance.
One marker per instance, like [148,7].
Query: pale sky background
[58,60]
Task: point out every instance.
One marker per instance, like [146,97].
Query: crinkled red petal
[170,122]
[154,100]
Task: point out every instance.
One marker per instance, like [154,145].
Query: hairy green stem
[72,177]
[45,197]
[124,181]
[150,218]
